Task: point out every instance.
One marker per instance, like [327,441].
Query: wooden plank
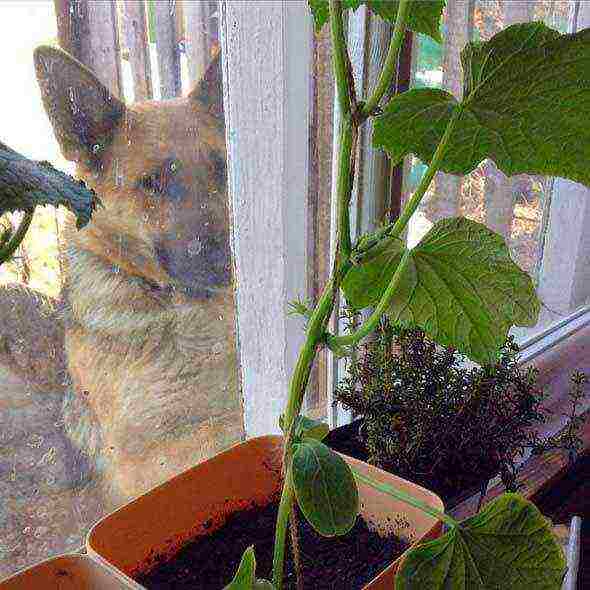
[498,200]
[374,166]
[137,47]
[459,27]
[89,31]
[167,45]
[266,101]
[399,172]
[67,16]
[319,197]
[199,37]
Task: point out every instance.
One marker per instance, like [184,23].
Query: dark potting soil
[570,496]
[457,485]
[209,563]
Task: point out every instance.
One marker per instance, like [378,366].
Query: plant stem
[373,320]
[285,506]
[9,248]
[406,498]
[391,61]
[348,136]
[412,205]
[400,224]
[342,71]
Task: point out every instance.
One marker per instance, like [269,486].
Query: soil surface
[570,496]
[210,563]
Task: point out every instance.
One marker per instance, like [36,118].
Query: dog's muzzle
[198,266]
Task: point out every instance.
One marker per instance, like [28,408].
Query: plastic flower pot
[152,528]
[67,572]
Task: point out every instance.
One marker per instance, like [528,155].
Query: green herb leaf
[325,488]
[460,286]
[245,576]
[424,16]
[516,110]
[508,545]
[364,284]
[26,184]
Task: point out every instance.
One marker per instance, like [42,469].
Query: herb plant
[428,417]
[525,104]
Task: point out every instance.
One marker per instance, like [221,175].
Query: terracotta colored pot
[198,501]
[67,572]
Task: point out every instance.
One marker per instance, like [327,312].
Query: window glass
[118,362]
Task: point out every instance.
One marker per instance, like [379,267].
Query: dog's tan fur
[151,354]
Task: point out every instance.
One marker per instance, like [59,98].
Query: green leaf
[424,15]
[26,184]
[526,105]
[246,574]
[507,546]
[364,284]
[325,488]
[460,286]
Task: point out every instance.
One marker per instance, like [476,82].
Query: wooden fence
[166,44]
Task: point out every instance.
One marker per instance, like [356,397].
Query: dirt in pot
[209,563]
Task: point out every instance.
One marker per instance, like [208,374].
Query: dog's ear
[209,91]
[81,109]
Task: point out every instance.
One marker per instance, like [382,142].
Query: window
[175,342]
[126,372]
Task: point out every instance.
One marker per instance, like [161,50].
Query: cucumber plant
[525,104]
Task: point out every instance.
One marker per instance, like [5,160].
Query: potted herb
[425,415]
[458,284]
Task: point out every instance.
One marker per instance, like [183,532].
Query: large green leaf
[424,16]
[364,285]
[507,546]
[460,286]
[325,488]
[526,105]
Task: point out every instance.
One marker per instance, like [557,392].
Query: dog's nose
[199,266]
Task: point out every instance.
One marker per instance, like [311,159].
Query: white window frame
[267,54]
[267,49]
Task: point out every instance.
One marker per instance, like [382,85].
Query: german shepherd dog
[147,346]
